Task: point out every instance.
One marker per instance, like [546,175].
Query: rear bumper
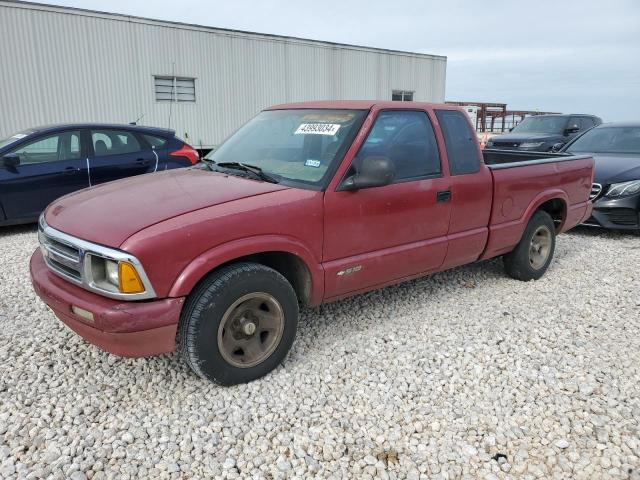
[128,329]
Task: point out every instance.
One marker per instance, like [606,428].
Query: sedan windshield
[299,147]
[541,125]
[14,138]
[608,140]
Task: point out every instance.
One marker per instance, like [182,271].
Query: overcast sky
[563,55]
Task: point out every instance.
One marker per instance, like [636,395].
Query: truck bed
[524,180]
[497,158]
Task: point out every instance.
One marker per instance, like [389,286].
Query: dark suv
[544,133]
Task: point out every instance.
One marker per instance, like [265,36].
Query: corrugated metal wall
[66,65]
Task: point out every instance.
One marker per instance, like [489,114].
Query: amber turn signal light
[129,279]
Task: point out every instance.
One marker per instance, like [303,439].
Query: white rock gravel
[467,374]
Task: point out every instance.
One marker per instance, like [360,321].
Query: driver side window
[52,148]
[407,138]
[576,122]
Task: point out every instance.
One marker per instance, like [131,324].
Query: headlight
[111,272]
[623,189]
[531,144]
[114,276]
[106,271]
[489,143]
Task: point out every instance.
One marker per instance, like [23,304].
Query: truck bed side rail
[498,159]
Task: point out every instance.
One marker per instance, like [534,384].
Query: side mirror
[11,160]
[374,171]
[511,129]
[571,129]
[556,147]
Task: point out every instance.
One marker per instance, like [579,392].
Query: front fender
[227,252]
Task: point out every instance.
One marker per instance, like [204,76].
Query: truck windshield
[608,140]
[299,147]
[541,125]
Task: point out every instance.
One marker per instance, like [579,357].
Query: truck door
[471,189]
[377,235]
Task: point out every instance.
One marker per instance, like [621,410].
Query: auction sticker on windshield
[317,129]
[312,163]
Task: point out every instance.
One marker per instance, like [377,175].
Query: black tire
[197,337]
[518,263]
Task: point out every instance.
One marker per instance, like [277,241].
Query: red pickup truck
[306,203]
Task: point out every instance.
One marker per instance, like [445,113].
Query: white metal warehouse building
[66,65]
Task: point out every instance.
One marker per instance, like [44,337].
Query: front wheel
[238,324]
[533,254]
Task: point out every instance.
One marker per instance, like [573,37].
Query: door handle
[443,196]
[143,162]
[71,170]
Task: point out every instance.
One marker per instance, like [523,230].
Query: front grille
[596,190]
[621,216]
[62,257]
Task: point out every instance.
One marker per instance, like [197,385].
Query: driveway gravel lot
[467,374]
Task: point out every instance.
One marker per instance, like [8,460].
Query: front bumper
[617,214]
[128,329]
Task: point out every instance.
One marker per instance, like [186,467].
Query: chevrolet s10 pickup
[306,203]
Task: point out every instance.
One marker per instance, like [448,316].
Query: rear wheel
[238,324]
[533,254]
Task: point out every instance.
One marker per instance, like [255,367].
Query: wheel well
[290,266]
[557,209]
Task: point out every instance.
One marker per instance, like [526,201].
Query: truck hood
[109,214]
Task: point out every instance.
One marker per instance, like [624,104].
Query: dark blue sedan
[39,165]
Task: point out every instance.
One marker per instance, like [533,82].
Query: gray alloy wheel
[250,329]
[531,258]
[238,324]
[540,247]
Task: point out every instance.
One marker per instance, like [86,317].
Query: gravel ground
[467,374]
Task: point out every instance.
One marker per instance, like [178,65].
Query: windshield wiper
[209,163]
[257,171]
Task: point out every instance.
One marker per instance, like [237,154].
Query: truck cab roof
[361,105]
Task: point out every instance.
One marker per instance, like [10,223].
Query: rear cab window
[460,141]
